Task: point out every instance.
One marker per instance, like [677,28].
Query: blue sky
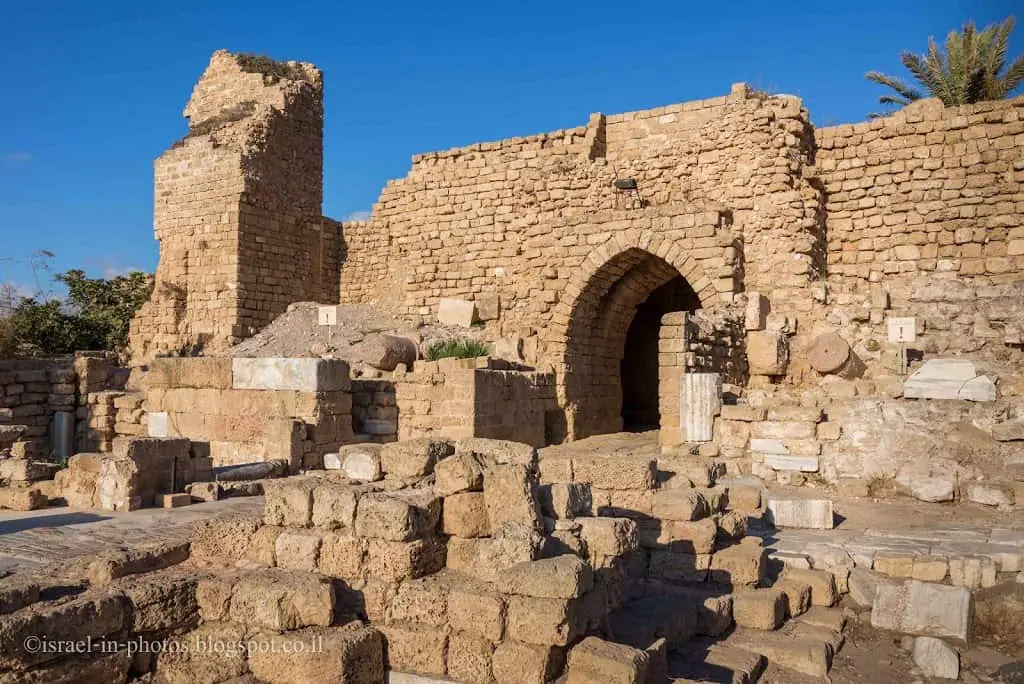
[92,92]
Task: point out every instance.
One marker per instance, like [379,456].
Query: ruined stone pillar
[700,402]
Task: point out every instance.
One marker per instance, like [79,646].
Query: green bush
[95,316]
[457,349]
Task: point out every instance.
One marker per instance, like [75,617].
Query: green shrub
[457,349]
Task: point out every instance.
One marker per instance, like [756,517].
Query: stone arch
[594,316]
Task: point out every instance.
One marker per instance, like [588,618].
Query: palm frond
[904,90]
[1014,76]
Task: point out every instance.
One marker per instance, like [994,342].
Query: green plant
[457,348]
[969,71]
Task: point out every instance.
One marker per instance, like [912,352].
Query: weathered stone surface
[679,504]
[498,451]
[334,506]
[923,609]
[800,512]
[821,582]
[936,658]
[595,660]
[767,353]
[565,500]
[740,564]
[341,654]
[413,457]
[519,663]
[280,600]
[145,558]
[415,648]
[863,584]
[614,471]
[485,558]
[545,621]
[828,353]
[928,483]
[297,374]
[468,658]
[608,536]
[990,494]
[400,516]
[462,472]
[80,618]
[562,577]
[949,379]
[474,608]
[361,462]
[511,499]
[457,312]
[759,608]
[465,515]
[700,401]
[1008,431]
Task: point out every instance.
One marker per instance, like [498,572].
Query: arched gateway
[608,326]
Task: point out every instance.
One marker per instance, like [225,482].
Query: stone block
[400,516]
[16,593]
[545,621]
[923,609]
[563,577]
[673,566]
[227,536]
[767,352]
[159,601]
[413,457]
[341,555]
[421,601]
[510,497]
[783,430]
[281,600]
[936,658]
[894,564]
[475,609]
[465,515]
[803,464]
[415,648]
[760,445]
[755,315]
[289,502]
[498,451]
[361,462]
[596,660]
[740,564]
[80,618]
[334,506]
[679,504]
[696,537]
[140,559]
[798,595]
[566,500]
[391,561]
[1008,431]
[614,471]
[469,658]
[821,582]
[518,663]
[863,584]
[462,472]
[295,374]
[485,558]
[187,665]
[699,402]
[743,412]
[22,498]
[929,568]
[808,655]
[929,484]
[800,512]
[608,536]
[990,494]
[759,608]
[948,379]
[342,654]
[175,500]
[973,573]
[298,549]
[456,312]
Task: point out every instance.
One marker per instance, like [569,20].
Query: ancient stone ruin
[747,382]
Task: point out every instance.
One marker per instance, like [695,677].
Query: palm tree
[968,72]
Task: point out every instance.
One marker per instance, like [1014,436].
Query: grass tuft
[457,349]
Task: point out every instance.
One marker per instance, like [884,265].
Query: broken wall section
[238,209]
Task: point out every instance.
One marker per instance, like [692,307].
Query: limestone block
[692,537]
[767,353]
[390,561]
[784,430]
[484,558]
[462,472]
[385,352]
[740,564]
[415,648]
[465,515]
[488,306]
[597,660]
[361,462]
[929,568]
[923,609]
[500,451]
[863,584]
[894,564]
[800,512]
[1008,431]
[469,658]
[157,424]
[298,549]
[743,412]
[289,502]
[803,464]
[297,374]
[16,593]
[413,457]
[936,658]
[990,494]
[675,566]
[614,471]
[798,595]
[399,516]
[828,353]
[795,414]
[759,608]
[510,497]
[344,654]
[948,379]
[474,609]
[973,573]
[700,401]
[545,621]
[821,582]
[562,501]
[22,498]
[281,600]
[562,577]
[608,536]
[928,483]
[341,555]
[175,500]
[518,663]
[679,504]
[756,312]
[456,312]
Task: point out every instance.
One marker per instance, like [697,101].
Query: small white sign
[327,315]
[903,329]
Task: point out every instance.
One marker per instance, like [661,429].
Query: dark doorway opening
[639,365]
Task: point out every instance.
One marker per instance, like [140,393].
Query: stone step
[798,511]
[791,648]
[716,664]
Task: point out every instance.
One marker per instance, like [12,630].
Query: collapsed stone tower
[238,208]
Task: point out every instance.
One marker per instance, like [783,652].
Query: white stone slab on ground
[800,512]
[805,464]
[923,609]
[762,445]
[297,374]
[936,658]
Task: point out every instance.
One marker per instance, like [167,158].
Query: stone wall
[251,410]
[374,410]
[238,209]
[459,399]
[924,219]
[34,391]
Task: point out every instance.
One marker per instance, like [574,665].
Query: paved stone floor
[33,538]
